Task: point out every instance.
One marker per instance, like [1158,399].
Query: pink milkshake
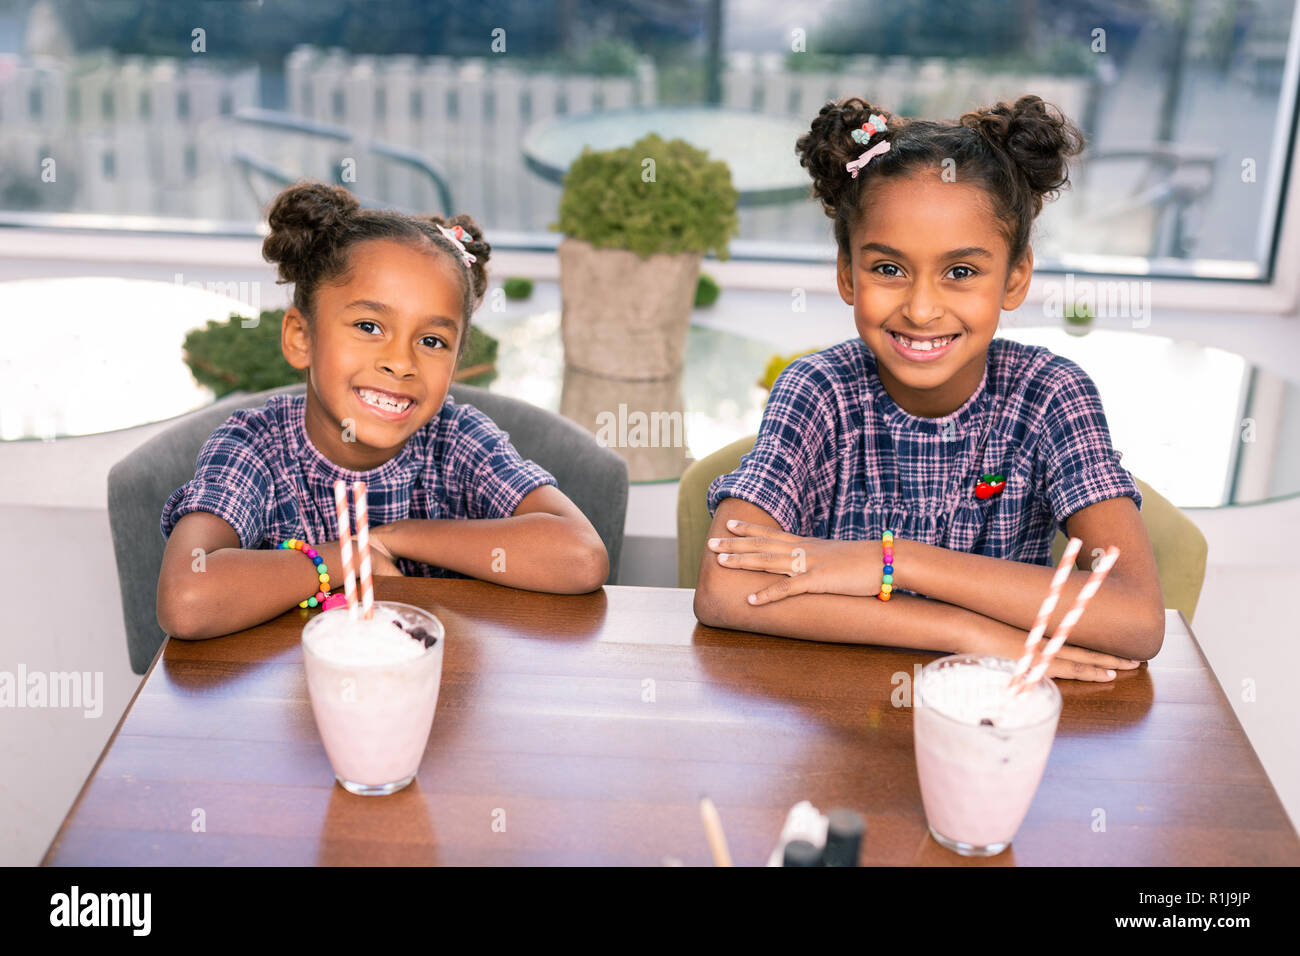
[979,752]
[374,688]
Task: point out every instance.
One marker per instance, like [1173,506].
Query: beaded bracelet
[322,572]
[887,572]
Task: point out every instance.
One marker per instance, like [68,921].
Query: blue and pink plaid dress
[261,473]
[837,458]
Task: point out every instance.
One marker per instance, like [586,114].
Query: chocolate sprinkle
[985,722]
[422,634]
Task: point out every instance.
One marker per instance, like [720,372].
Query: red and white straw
[345,548]
[363,549]
[1045,609]
[1071,618]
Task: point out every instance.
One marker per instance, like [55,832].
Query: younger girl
[381,310]
[971,450]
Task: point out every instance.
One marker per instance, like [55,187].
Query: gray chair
[594,478]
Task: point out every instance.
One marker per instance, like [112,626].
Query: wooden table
[589,726]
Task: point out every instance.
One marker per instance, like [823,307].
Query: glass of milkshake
[980,752]
[374,687]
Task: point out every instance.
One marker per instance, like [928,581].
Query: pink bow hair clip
[875,124]
[457,236]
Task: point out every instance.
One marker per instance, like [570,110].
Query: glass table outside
[759,149]
[82,356]
[1203,426]
[659,428]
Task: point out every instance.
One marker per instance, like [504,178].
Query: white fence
[130,135]
[467,117]
[154,137]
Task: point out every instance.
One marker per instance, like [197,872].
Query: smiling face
[928,280]
[383,351]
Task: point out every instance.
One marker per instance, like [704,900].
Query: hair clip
[876,124]
[868,156]
[457,236]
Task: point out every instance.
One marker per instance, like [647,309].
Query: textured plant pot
[625,317]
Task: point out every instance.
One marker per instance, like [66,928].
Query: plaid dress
[837,458]
[261,473]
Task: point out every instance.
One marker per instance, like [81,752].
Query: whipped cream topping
[339,640]
[973,694]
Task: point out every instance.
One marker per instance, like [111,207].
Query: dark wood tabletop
[584,729]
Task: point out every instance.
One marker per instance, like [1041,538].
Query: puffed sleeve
[484,471]
[231,480]
[1080,467]
[790,473]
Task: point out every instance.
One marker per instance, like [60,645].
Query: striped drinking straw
[1071,618]
[345,548]
[363,549]
[1045,610]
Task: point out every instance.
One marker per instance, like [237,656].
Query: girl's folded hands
[807,565]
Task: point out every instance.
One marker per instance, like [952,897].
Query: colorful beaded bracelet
[887,572]
[322,572]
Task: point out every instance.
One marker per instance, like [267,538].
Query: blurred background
[193,132]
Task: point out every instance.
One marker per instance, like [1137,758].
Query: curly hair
[1018,153]
[314,226]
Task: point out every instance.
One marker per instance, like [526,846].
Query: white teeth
[382,401]
[925,345]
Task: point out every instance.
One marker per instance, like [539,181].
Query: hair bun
[1037,137]
[304,218]
[828,147]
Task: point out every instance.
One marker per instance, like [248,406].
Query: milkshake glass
[373,689]
[980,753]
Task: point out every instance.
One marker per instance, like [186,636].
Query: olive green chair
[1179,546]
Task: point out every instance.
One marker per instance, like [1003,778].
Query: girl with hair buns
[381,310]
[971,450]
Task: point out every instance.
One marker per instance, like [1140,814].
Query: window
[1189,108]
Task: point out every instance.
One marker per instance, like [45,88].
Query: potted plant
[1078,319]
[637,223]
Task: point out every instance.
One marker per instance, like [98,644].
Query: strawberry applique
[990,485]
